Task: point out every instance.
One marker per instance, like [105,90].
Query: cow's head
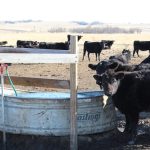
[127,54]
[101,68]
[111,82]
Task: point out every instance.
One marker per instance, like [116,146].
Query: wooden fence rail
[38,82]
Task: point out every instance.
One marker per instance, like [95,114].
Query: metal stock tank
[48,113]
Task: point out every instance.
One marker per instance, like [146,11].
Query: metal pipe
[3,107]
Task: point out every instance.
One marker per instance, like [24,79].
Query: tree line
[100,30]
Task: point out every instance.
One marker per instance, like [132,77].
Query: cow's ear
[93,67]
[120,76]
[114,65]
[97,77]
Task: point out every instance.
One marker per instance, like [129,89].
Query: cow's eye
[113,80]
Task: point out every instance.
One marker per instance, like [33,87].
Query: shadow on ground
[113,140]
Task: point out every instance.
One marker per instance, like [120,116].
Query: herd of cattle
[89,47]
[46,45]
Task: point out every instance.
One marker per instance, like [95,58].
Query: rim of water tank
[86,94]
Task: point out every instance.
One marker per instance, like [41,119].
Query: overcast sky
[116,11]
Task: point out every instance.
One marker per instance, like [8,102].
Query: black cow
[93,47]
[116,66]
[3,43]
[101,67]
[119,66]
[60,45]
[141,45]
[124,57]
[27,44]
[130,94]
[107,44]
[57,45]
[113,61]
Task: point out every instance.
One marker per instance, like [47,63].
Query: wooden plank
[31,50]
[37,58]
[38,82]
[73,97]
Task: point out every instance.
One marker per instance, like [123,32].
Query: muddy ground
[113,140]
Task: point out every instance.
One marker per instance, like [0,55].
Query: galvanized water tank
[48,113]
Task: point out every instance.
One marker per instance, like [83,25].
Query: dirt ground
[62,71]
[106,141]
[111,140]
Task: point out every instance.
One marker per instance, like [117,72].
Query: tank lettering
[89,116]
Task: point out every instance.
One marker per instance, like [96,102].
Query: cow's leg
[89,56]
[83,57]
[138,53]
[96,56]
[84,52]
[127,125]
[134,52]
[99,56]
[133,122]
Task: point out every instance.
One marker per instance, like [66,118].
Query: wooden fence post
[73,96]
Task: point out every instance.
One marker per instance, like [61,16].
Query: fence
[24,55]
